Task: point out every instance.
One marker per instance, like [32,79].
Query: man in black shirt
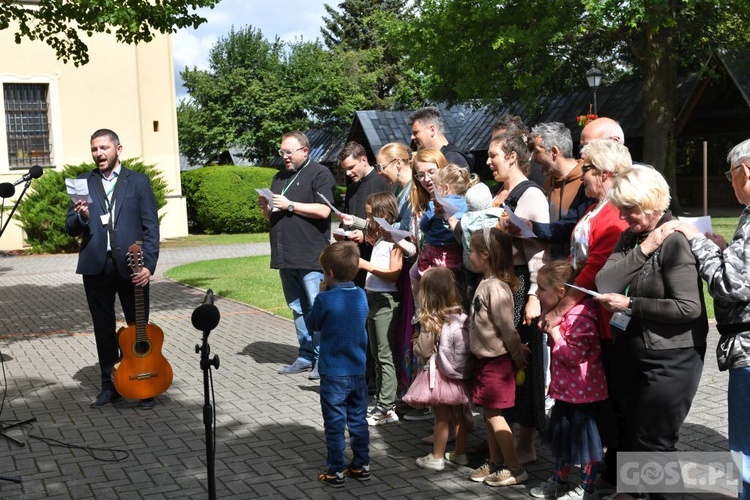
[300,228]
[363,181]
[428,132]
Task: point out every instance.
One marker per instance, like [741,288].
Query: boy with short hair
[339,313]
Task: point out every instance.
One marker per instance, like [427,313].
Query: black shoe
[335,479]
[105,398]
[147,404]
[361,473]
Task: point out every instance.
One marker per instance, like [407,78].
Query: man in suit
[122,211]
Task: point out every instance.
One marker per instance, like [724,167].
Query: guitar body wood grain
[143,371]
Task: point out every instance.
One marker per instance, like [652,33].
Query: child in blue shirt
[339,313]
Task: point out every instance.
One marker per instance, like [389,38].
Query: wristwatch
[290,208]
[629,310]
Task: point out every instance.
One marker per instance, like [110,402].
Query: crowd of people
[591,332]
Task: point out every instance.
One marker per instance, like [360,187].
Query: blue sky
[288,19]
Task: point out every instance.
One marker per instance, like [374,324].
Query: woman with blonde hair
[591,243]
[651,284]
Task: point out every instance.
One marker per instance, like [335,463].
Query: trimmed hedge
[42,212]
[222,198]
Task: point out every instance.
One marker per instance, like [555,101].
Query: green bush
[42,212]
[222,199]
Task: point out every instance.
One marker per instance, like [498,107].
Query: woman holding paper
[651,284]
[508,159]
[591,243]
[394,165]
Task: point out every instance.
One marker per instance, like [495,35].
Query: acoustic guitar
[142,371]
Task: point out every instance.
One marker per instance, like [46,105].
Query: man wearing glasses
[300,228]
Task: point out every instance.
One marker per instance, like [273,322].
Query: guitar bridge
[143,376]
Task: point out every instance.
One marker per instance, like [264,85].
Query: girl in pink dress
[443,383]
[577,384]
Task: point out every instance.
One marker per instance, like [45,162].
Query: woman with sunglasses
[591,243]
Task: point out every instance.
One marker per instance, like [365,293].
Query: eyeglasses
[283,153]
[728,173]
[424,175]
[380,168]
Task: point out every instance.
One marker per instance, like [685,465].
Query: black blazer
[135,219]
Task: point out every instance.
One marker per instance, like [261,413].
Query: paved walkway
[269,437]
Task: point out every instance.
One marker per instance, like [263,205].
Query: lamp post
[594,77]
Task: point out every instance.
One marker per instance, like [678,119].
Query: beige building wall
[127,88]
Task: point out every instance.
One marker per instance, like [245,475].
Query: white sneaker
[454,458]
[505,476]
[551,488]
[430,462]
[382,416]
[574,494]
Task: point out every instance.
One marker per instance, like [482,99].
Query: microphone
[34,172]
[7,190]
[206,316]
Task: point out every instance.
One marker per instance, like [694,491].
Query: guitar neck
[140,313]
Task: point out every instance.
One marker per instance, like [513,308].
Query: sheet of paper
[702,224]
[266,193]
[341,232]
[78,189]
[584,290]
[449,208]
[335,210]
[396,234]
[520,223]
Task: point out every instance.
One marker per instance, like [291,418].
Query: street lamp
[594,77]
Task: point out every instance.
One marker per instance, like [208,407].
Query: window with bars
[27,124]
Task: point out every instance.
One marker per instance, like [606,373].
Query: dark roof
[324,147]
[737,63]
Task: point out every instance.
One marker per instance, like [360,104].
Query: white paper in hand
[266,193]
[396,234]
[702,224]
[449,208]
[520,223]
[78,189]
[584,290]
[335,210]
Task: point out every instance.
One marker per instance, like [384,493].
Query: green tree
[256,90]
[512,50]
[42,213]
[355,28]
[60,24]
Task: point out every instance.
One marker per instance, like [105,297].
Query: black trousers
[653,393]
[101,290]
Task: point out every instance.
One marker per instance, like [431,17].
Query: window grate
[27,123]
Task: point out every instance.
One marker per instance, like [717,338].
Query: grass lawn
[195,240]
[245,279]
[250,280]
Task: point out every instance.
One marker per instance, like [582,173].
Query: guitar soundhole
[141,348]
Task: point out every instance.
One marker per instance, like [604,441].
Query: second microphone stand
[205,318]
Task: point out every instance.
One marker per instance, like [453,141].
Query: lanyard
[288,183]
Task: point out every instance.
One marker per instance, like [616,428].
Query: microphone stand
[206,319]
[18,201]
[3,428]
